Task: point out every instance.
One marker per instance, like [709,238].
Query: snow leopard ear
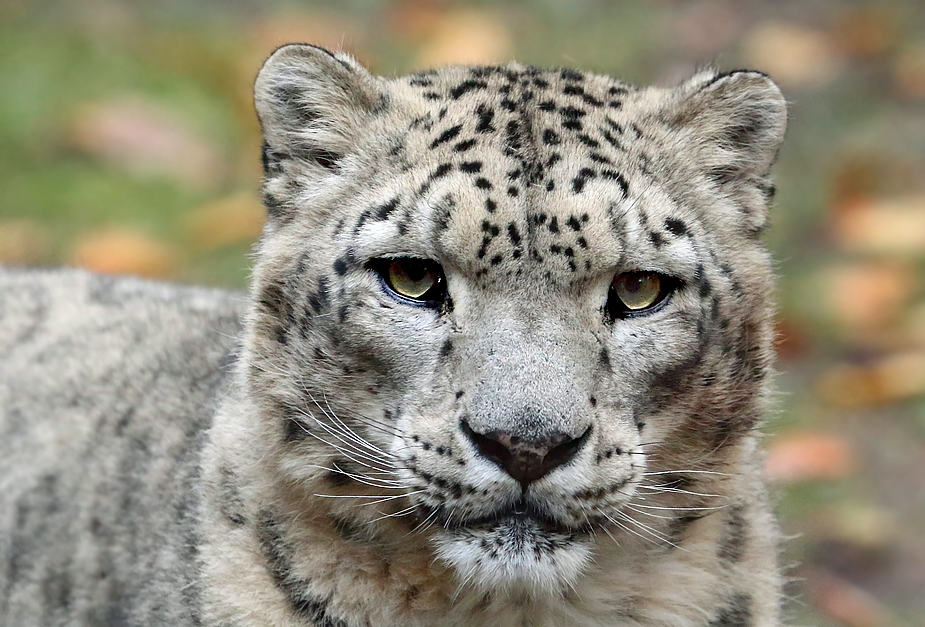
[733,123]
[312,104]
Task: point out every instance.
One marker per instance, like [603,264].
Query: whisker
[389,484]
[699,472]
[682,509]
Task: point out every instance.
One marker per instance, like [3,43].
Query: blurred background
[128,144]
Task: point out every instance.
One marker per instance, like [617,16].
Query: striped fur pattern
[342,464]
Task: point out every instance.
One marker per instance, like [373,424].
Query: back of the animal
[104,386]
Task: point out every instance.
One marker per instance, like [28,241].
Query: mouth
[522,516]
[520,547]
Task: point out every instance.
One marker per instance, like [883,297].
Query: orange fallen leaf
[808,456]
[866,31]
[790,341]
[233,220]
[792,54]
[863,296]
[414,18]
[888,380]
[893,226]
[467,36]
[141,138]
[125,251]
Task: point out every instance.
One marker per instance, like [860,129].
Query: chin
[515,553]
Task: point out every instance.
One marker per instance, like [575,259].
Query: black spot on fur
[343,263]
[467,86]
[572,75]
[550,137]
[612,175]
[446,349]
[471,167]
[483,183]
[676,227]
[385,210]
[270,160]
[656,239]
[705,288]
[735,531]
[277,554]
[319,300]
[490,205]
[610,139]
[736,613]
[486,115]
[513,234]
[572,113]
[275,207]
[464,145]
[678,527]
[446,135]
[585,139]
[584,175]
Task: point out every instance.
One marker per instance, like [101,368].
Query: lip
[519,514]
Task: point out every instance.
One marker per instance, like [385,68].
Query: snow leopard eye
[420,281]
[638,293]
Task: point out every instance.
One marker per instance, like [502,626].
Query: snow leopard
[503,361]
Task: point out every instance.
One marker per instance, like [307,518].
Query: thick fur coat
[506,347]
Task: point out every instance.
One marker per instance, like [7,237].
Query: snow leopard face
[518,314]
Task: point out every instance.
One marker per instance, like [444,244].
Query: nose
[525,460]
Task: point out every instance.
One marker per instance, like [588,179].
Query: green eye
[638,292]
[418,280]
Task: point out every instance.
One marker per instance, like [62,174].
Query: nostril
[489,447]
[563,453]
[525,461]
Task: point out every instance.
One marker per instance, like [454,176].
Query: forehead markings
[528,133]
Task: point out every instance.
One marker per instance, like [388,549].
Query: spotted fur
[343,474]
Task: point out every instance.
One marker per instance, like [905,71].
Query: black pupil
[416,271]
[633,282]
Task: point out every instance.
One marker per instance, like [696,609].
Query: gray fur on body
[325,476]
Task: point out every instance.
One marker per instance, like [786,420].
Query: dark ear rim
[742,114]
[297,54]
[312,104]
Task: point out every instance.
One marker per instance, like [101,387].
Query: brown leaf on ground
[868,295]
[467,36]
[23,242]
[909,72]
[233,220]
[888,380]
[792,54]
[791,340]
[809,456]
[844,602]
[415,18]
[125,251]
[891,226]
[865,31]
[140,138]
